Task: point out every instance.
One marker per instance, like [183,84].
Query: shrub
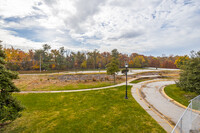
[190,74]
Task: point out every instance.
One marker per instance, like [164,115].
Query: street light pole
[126,65]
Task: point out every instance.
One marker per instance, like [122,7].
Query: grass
[147,78]
[179,95]
[139,80]
[53,82]
[91,111]
[160,72]
[72,86]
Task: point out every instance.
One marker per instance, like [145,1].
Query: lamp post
[126,66]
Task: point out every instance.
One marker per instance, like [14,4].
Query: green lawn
[148,78]
[139,80]
[179,95]
[92,111]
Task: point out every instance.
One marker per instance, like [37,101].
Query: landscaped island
[179,95]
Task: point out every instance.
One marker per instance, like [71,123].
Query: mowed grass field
[90,111]
[179,95]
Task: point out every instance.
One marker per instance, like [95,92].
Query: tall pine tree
[9,107]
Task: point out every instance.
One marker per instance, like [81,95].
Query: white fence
[189,122]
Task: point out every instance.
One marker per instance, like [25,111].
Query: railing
[189,122]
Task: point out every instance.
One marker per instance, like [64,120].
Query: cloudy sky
[150,27]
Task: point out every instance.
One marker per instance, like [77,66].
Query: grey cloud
[50,2]
[128,35]
[84,9]
[131,34]
[137,4]
[121,3]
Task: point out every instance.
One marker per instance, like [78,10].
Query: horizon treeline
[62,59]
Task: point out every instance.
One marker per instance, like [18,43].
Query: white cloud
[130,26]
[17,8]
[10,40]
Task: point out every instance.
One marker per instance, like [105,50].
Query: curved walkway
[154,96]
[149,95]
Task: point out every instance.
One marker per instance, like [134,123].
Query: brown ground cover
[65,82]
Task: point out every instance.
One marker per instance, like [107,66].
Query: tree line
[63,59]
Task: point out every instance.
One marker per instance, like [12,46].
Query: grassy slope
[139,80]
[91,111]
[179,95]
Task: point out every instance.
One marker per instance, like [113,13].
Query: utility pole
[40,62]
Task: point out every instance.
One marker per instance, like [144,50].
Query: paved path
[148,95]
[162,104]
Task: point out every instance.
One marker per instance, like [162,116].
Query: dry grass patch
[59,82]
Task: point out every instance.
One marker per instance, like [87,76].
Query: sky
[150,27]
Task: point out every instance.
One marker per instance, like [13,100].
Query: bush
[190,74]
[124,71]
[94,79]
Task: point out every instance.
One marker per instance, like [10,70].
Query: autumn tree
[154,62]
[84,64]
[181,61]
[94,55]
[123,58]
[9,107]
[168,64]
[106,58]
[139,61]
[131,63]
[113,66]
[61,59]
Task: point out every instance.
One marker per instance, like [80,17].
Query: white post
[181,126]
[191,116]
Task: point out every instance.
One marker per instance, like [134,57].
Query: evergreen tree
[9,106]
[190,74]
[113,66]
